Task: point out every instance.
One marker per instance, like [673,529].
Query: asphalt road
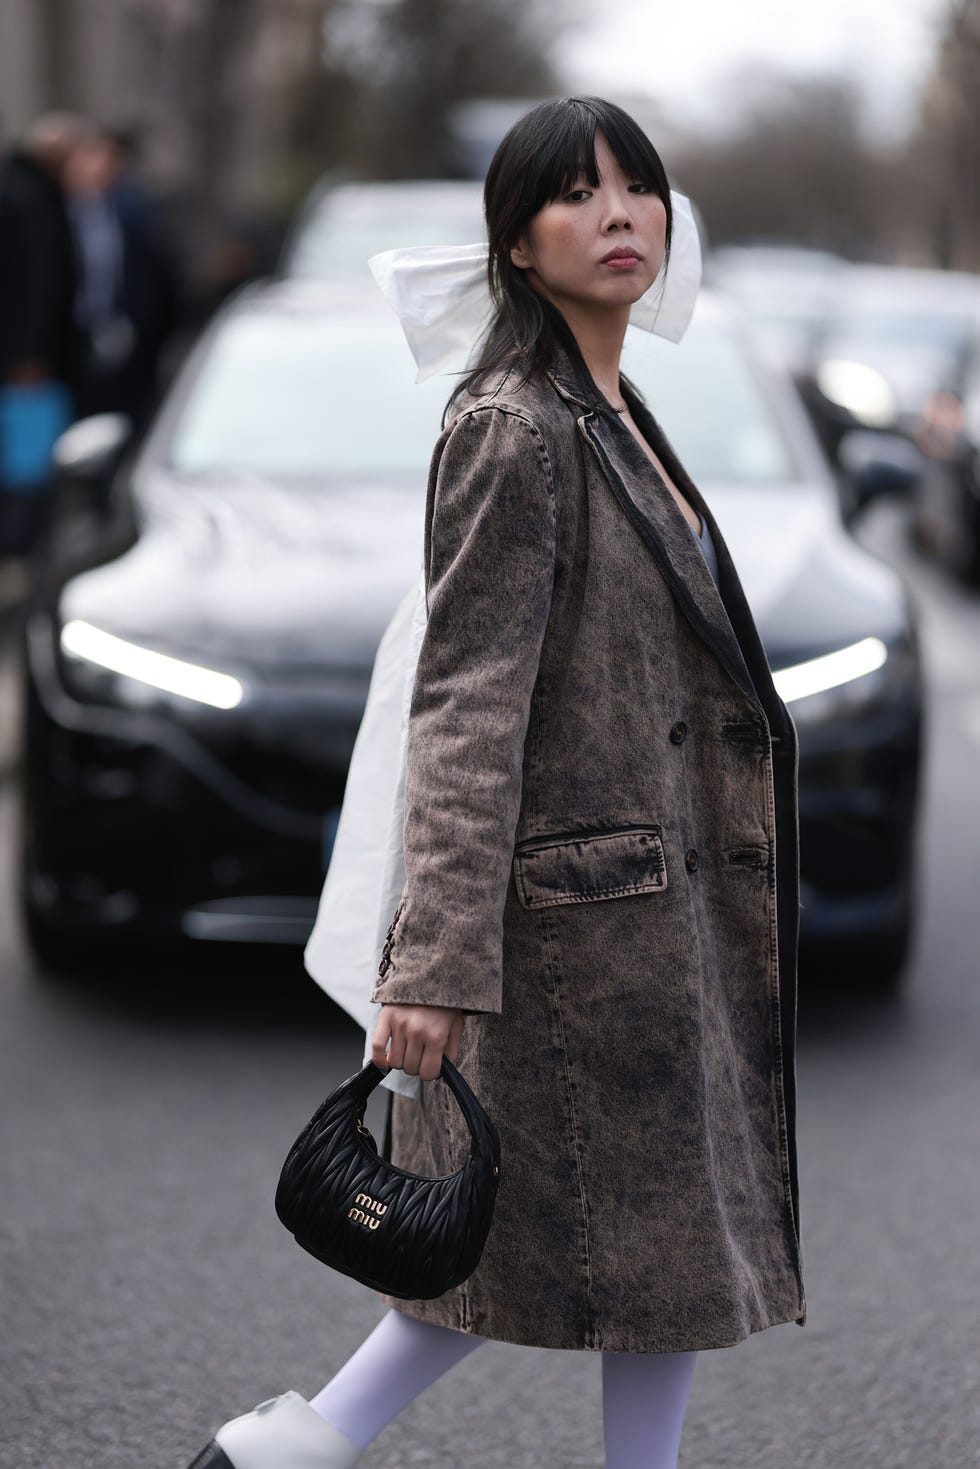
[149,1292]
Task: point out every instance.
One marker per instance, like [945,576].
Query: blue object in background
[32,415]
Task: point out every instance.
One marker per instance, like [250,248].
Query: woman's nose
[618,213]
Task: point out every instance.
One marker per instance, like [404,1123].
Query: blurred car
[945,505]
[787,291]
[341,225]
[896,336]
[193,699]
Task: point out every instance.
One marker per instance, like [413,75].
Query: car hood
[811,588]
[268,573]
[279,577]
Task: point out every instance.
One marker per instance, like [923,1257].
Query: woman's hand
[420,1036]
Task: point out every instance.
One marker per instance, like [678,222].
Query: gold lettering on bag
[359,1216]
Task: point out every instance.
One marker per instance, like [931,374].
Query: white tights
[644,1394]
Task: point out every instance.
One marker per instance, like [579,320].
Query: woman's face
[564,245]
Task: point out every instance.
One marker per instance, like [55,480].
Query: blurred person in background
[583,711]
[37,291]
[126,301]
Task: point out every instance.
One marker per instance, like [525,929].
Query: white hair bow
[442,297]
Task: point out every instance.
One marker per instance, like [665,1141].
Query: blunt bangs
[564,148]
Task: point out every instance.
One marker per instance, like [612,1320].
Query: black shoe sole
[212,1458]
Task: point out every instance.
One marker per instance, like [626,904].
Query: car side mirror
[90,450]
[878,463]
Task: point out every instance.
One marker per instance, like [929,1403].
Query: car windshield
[318,398]
[335,241]
[310,397]
[711,403]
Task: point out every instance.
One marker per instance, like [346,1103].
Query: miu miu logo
[359,1215]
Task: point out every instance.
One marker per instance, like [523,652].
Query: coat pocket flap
[582,868]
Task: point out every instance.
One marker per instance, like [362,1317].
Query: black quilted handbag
[357,1212]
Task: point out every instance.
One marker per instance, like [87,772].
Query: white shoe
[281,1433]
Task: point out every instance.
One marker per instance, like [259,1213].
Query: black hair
[538,159]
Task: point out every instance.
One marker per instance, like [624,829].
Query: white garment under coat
[366,874]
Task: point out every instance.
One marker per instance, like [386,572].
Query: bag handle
[485,1141]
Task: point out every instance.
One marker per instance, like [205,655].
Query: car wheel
[54,950]
[65,953]
[59,950]
[886,965]
[878,965]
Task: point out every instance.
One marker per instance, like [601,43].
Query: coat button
[692,860]
[678,731]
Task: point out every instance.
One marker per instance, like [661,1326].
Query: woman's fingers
[382,1031]
[418,1041]
[431,1064]
[412,1054]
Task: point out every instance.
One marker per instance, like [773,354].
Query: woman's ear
[519,255]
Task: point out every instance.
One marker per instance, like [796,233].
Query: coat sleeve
[490,543]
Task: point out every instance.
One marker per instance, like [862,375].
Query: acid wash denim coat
[601,856]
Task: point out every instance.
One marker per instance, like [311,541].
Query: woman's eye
[576,191]
[645,187]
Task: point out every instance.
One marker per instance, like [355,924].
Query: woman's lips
[621,262]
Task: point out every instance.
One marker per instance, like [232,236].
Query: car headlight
[862,390]
[837,684]
[144,667]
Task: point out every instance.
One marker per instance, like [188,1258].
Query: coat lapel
[657,517]
[735,612]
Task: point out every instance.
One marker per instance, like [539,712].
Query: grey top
[705,541]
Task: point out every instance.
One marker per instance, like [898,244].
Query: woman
[599,919]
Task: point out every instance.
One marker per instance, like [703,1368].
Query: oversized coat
[601,855]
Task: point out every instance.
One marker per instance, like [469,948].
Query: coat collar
[719,614]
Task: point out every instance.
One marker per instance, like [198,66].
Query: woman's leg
[399,1358]
[644,1398]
